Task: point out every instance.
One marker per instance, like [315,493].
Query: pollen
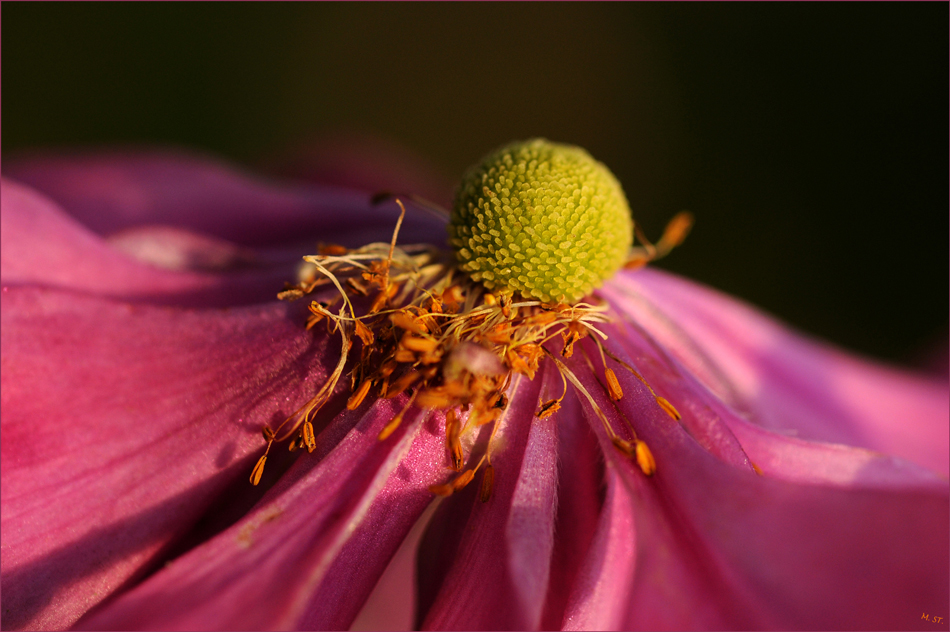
[541,219]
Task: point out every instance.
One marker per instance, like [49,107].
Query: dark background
[810,140]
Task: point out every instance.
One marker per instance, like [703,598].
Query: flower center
[537,223]
[541,219]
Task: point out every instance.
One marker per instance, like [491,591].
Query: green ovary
[541,219]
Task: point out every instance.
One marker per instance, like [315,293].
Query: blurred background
[810,140]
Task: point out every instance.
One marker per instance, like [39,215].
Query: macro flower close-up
[474,316]
[631,450]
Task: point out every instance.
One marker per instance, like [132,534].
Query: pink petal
[120,430]
[42,245]
[784,382]
[579,502]
[486,564]
[733,549]
[294,560]
[598,598]
[705,416]
[113,191]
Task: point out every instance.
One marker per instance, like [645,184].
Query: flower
[142,353]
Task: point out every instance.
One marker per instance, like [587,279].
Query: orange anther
[414,343]
[319,310]
[364,332]
[668,407]
[332,250]
[407,321]
[357,397]
[404,356]
[613,386]
[452,427]
[645,459]
[388,367]
[434,398]
[258,470]
[308,438]
[390,427]
[548,408]
[678,228]
[457,456]
[268,434]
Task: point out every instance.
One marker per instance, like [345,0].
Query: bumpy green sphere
[541,219]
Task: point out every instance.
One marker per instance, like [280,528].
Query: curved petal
[121,426]
[774,454]
[733,549]
[580,501]
[598,597]
[784,382]
[471,580]
[113,191]
[42,245]
[272,569]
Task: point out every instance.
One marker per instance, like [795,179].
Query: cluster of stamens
[429,331]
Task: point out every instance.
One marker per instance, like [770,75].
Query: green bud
[541,219]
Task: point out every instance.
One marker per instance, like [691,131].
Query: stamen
[451,487]
[613,386]
[421,345]
[663,403]
[297,442]
[645,459]
[307,436]
[357,397]
[364,333]
[668,407]
[423,315]
[258,470]
[452,442]
[566,372]
[548,408]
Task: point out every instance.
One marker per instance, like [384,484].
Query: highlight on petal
[309,554]
[120,431]
[734,548]
[784,382]
[43,245]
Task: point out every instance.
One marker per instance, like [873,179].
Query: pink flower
[143,351]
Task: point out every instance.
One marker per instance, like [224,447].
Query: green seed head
[541,219]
